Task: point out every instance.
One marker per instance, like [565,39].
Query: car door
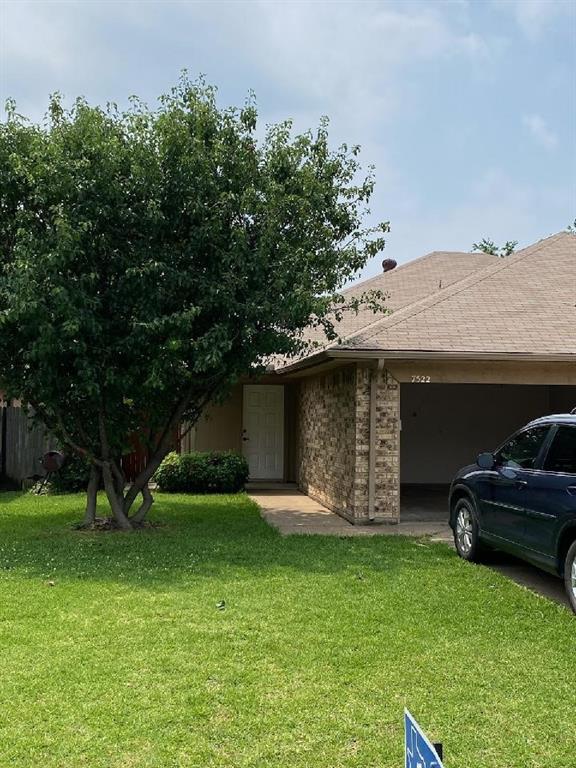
[506,489]
[553,492]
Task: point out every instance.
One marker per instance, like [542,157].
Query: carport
[445,426]
[446,422]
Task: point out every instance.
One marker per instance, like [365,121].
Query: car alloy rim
[573,577]
[464,530]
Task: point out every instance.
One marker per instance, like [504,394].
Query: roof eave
[360,355]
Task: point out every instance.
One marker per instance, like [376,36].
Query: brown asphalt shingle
[407,285]
[473,303]
[525,303]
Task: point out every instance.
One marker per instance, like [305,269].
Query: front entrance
[263,430]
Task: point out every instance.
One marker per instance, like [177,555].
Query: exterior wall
[338,443]
[484,371]
[290,419]
[326,439]
[220,426]
[386,444]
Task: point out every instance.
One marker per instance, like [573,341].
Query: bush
[214,472]
[72,477]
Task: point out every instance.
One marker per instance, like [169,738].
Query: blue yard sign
[419,752]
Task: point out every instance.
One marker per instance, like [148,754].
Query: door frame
[261,387]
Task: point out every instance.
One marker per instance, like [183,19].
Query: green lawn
[127,661]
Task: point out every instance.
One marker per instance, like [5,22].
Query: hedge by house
[213,472]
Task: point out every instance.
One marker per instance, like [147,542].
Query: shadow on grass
[192,537]
[9,497]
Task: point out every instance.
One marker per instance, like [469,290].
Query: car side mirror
[486,461]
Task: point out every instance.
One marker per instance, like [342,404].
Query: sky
[466,108]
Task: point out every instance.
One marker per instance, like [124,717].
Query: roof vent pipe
[388,265]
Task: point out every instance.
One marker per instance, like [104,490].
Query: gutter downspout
[372,439]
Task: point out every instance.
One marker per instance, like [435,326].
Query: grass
[127,660]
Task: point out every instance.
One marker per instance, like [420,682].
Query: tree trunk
[115,500]
[119,477]
[141,481]
[91,494]
[147,501]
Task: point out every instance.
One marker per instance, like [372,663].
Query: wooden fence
[22,444]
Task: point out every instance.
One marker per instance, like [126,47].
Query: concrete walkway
[292,512]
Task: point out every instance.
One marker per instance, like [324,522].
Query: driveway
[528,576]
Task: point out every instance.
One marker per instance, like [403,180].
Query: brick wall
[334,441]
[386,443]
[326,437]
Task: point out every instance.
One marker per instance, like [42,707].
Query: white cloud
[345,55]
[342,56]
[540,131]
[534,16]
[32,36]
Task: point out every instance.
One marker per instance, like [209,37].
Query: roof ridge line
[430,301]
[362,283]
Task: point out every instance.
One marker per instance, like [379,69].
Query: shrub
[214,472]
[72,477]
[169,474]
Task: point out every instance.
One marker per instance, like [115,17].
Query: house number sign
[421,379]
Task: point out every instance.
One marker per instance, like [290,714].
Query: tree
[486,245]
[151,257]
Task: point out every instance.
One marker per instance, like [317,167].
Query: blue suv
[522,499]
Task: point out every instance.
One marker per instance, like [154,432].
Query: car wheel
[466,536]
[570,575]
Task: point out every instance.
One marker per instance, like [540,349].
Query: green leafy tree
[489,246]
[150,257]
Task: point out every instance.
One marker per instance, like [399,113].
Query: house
[474,347]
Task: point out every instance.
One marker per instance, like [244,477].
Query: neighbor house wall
[341,450]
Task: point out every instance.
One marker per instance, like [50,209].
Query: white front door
[263,430]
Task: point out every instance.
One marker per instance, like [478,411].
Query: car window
[562,453]
[522,450]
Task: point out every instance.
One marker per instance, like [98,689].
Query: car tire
[570,575]
[466,532]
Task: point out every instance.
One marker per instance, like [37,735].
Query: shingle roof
[525,303]
[408,284]
[459,303]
